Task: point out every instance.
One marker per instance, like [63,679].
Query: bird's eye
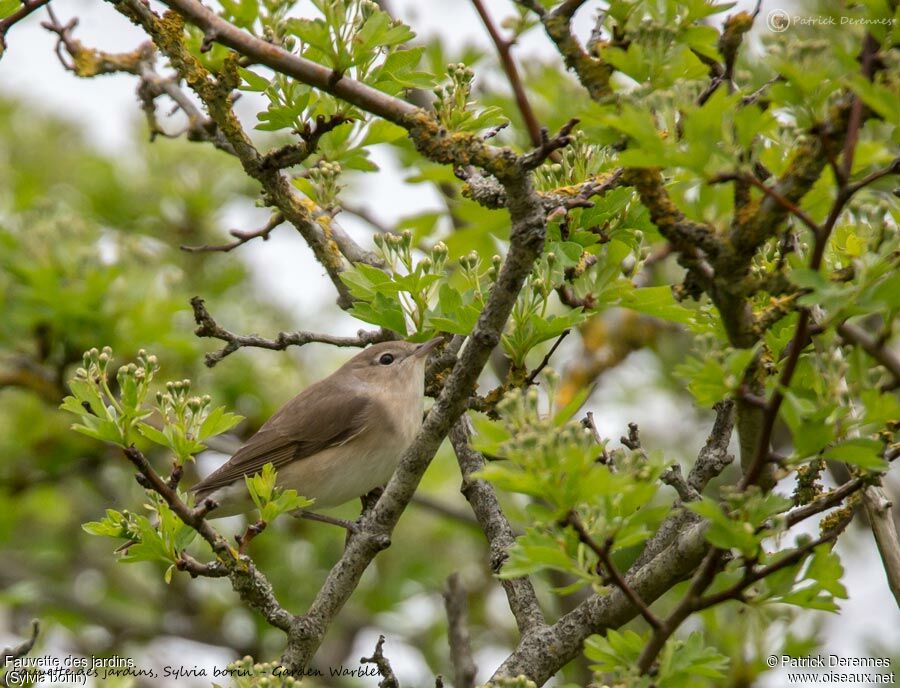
[386,359]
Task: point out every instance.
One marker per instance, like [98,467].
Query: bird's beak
[423,349]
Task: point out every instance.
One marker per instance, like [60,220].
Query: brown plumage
[339,438]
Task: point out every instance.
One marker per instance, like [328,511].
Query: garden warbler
[338,439]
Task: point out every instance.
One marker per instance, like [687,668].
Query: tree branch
[216,95]
[241,237]
[602,552]
[526,243]
[458,633]
[246,580]
[877,350]
[878,511]
[512,74]
[10,654]
[593,73]
[389,680]
[8,22]
[546,360]
[482,498]
[208,327]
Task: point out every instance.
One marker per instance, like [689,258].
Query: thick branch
[881,520]
[526,243]
[483,499]
[261,52]
[458,633]
[592,72]
[541,653]
[876,349]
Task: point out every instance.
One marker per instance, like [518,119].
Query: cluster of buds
[178,406]
[434,261]
[95,364]
[535,439]
[437,258]
[519,409]
[577,162]
[324,179]
[135,378]
[470,265]
[395,248]
[494,271]
[452,99]
[367,8]
[249,674]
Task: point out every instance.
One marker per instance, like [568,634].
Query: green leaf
[154,435]
[382,131]
[254,81]
[103,430]
[286,501]
[880,98]
[615,650]
[382,311]
[489,434]
[217,422]
[261,485]
[567,412]
[862,452]
[85,392]
[723,531]
[658,302]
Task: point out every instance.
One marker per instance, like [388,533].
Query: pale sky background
[284,268]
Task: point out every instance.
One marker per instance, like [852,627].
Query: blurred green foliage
[89,256]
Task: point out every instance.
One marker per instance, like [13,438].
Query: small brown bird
[338,439]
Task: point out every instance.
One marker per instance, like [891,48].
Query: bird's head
[391,361]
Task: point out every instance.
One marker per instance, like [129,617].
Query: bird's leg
[349,526]
[252,531]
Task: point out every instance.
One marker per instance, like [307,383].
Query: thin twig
[7,22]
[777,197]
[389,680]
[612,571]
[208,327]
[751,575]
[10,654]
[893,168]
[349,526]
[543,364]
[512,74]
[547,145]
[241,237]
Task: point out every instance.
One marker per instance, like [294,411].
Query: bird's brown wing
[295,432]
